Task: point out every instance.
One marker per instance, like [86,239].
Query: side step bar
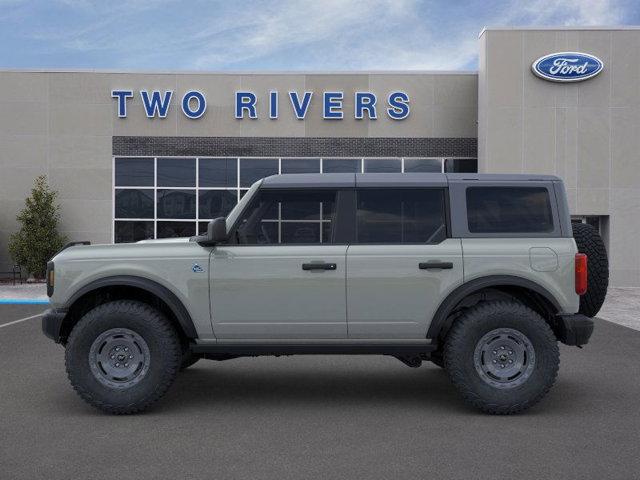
[260,349]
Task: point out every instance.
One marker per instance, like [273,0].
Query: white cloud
[286,25]
[384,35]
[303,34]
[569,12]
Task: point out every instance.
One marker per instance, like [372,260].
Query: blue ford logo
[567,66]
[196,268]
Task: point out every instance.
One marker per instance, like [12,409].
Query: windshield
[233,215]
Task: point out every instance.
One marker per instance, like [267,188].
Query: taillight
[581,273]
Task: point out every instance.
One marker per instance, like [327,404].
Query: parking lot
[318,417]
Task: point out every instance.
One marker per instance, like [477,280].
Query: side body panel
[549,262]
[168,264]
[263,292]
[389,296]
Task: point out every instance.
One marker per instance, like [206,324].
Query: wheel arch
[127,287]
[527,291]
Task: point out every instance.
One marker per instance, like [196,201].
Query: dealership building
[152,155]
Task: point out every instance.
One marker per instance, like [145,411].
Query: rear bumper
[52,323]
[574,329]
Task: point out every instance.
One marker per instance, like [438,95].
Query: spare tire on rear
[590,243]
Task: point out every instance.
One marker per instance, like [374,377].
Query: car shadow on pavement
[425,388]
[206,386]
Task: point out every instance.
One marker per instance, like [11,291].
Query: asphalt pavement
[320,417]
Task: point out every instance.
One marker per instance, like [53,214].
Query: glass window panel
[400,216]
[461,165]
[202,228]
[420,165]
[300,165]
[382,165]
[260,224]
[253,169]
[216,203]
[176,172]
[509,210]
[340,165]
[134,172]
[242,192]
[326,232]
[127,232]
[303,209]
[176,229]
[134,203]
[293,232]
[266,234]
[176,203]
[218,172]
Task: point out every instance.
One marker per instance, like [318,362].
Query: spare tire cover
[590,243]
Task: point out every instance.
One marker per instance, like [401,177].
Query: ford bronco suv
[480,274]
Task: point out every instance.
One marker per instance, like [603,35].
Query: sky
[280,35]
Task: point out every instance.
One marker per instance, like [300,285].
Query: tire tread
[458,335]
[166,333]
[589,242]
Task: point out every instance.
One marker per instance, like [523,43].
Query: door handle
[319,266]
[435,265]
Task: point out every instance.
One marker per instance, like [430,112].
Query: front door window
[288,217]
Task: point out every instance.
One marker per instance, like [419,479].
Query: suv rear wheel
[122,356]
[502,356]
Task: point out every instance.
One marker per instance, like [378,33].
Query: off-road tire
[467,332]
[437,358]
[164,356]
[188,359]
[589,242]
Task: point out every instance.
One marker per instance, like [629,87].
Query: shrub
[38,239]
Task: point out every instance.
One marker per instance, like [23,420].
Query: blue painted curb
[23,301]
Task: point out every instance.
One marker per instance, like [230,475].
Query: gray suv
[479,274]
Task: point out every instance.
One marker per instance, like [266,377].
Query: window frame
[237,189]
[445,205]
[460,225]
[336,232]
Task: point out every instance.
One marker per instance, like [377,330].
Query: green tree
[38,238]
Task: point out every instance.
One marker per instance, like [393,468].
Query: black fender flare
[163,293]
[439,321]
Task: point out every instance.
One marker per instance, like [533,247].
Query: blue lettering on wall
[273,105]
[365,101]
[398,105]
[156,105]
[122,96]
[246,101]
[300,108]
[332,105]
[200,100]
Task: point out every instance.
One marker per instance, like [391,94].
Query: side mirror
[217,230]
[216,233]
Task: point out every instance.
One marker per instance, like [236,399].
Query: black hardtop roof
[346,180]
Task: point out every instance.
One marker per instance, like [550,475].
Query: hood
[166,240]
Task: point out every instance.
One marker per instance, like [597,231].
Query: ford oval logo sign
[567,66]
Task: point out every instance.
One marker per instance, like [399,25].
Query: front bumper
[52,323]
[575,329]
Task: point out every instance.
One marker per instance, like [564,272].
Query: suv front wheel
[502,356]
[122,356]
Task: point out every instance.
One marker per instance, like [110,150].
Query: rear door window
[509,210]
[400,216]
